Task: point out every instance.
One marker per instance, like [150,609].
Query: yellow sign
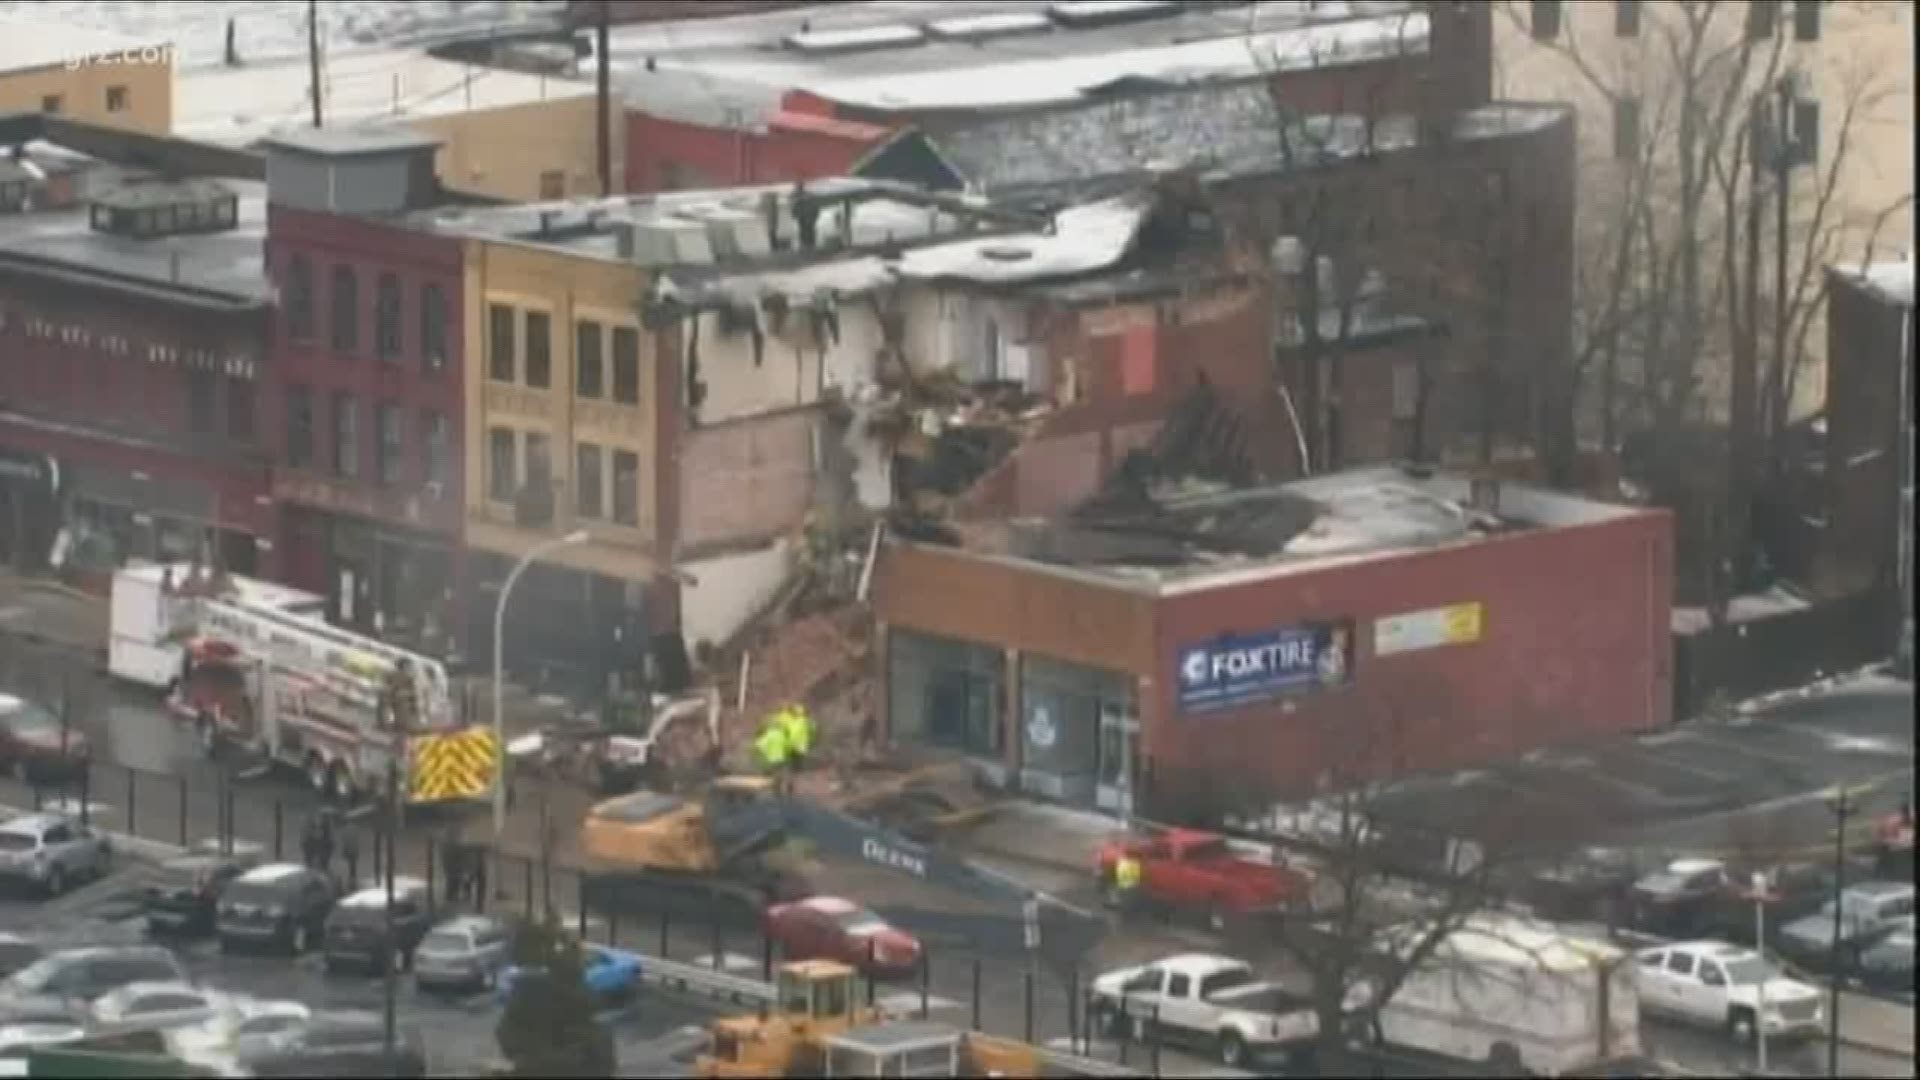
[1456,624]
[461,765]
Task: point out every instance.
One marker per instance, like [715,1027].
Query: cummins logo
[876,852]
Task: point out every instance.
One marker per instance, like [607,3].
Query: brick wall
[746,481]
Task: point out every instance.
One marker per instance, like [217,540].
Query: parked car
[830,928]
[1715,984]
[73,978]
[51,852]
[18,1038]
[1678,898]
[17,952]
[348,1043]
[184,896]
[1590,884]
[280,904]
[357,927]
[36,746]
[1198,871]
[463,953]
[158,1006]
[1867,911]
[253,1022]
[611,975]
[1211,1003]
[1887,966]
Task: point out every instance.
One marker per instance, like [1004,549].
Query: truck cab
[814,1000]
[1204,872]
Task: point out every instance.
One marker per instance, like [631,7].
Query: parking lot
[652,1036]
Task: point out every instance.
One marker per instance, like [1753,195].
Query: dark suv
[185,892]
[280,905]
[356,930]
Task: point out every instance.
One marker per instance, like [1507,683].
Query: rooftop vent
[861,39]
[1081,14]
[151,209]
[988,27]
[737,234]
[664,242]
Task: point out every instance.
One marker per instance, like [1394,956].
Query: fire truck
[341,708]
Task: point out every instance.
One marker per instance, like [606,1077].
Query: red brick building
[367,397]
[1354,626]
[133,319]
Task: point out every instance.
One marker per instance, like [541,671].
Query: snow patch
[1751,607]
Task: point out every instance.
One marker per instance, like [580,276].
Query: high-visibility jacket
[799,729]
[771,745]
[1126,873]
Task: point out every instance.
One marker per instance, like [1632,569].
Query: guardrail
[707,982]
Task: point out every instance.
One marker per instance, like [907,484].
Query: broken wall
[748,482]
[750,366]
[722,594]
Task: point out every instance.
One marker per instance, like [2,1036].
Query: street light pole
[1761,894]
[579,536]
[1842,805]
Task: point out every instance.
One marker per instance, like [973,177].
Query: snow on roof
[1084,239]
[995,25]
[1028,83]
[236,106]
[1892,280]
[1693,866]
[864,37]
[376,896]
[1515,942]
[1201,963]
[262,875]
[26,45]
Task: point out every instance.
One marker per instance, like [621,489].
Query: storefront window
[945,692]
[1061,707]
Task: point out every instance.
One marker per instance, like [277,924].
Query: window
[299,299]
[501,480]
[1760,19]
[1711,974]
[240,410]
[117,99]
[1653,959]
[346,310]
[53,104]
[1178,984]
[1626,128]
[299,427]
[539,350]
[1626,18]
[200,403]
[588,376]
[433,439]
[539,461]
[1806,131]
[433,328]
[626,487]
[390,448]
[1546,19]
[346,437]
[386,317]
[589,495]
[1138,347]
[1680,963]
[499,342]
[626,365]
[1806,20]
[553,184]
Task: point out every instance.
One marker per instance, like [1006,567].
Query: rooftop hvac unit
[663,242]
[737,235]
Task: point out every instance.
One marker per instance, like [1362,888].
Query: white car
[17,1039]
[1716,984]
[1214,1004]
[156,1006]
[252,1025]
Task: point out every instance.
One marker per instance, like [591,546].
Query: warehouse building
[1283,640]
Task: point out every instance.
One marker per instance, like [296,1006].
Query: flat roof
[229,265]
[240,106]
[987,54]
[27,44]
[1198,535]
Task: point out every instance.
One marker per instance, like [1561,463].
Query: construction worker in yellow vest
[799,728]
[1126,878]
[771,745]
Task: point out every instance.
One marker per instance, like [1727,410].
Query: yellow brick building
[86,75]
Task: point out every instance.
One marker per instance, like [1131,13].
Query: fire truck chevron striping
[457,766]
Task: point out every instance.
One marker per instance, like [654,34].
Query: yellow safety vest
[772,746]
[799,728]
[1126,873]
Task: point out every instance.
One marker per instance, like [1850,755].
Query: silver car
[465,953]
[154,1006]
[52,852]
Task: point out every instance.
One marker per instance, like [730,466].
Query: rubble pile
[799,660]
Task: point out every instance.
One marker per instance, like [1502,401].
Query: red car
[35,745]
[829,928]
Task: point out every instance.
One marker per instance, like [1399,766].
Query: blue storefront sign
[1241,669]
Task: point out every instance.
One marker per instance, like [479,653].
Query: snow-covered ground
[272,28]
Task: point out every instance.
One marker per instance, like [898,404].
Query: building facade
[369,344]
[133,322]
[1357,633]
[87,75]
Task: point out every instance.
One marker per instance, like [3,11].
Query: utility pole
[1786,153]
[389,1013]
[603,117]
[1841,803]
[313,57]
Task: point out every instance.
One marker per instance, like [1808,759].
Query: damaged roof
[1220,131]
[1189,534]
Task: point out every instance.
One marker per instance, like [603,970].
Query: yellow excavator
[815,1028]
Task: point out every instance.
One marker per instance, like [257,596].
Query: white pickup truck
[1211,1003]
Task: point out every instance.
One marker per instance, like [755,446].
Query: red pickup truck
[1198,871]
